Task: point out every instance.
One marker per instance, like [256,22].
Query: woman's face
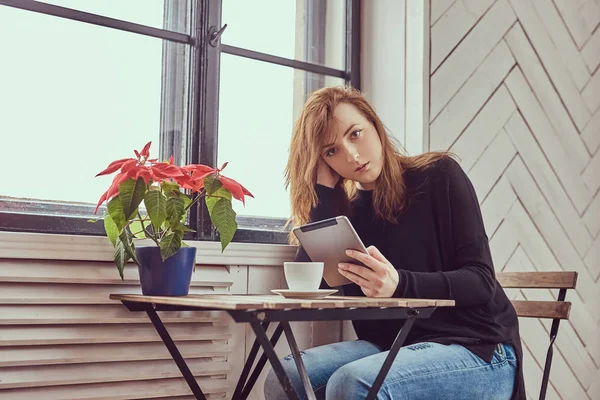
[356,153]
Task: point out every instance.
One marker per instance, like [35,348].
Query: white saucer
[304,294]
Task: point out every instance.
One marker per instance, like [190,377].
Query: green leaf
[170,244]
[175,210]
[131,193]
[115,210]
[92,220]
[181,228]
[137,229]
[168,186]
[121,256]
[186,200]
[212,199]
[129,246]
[223,217]
[212,184]
[156,204]
[111,229]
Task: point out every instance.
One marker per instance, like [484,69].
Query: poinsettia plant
[160,187]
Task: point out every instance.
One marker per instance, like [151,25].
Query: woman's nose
[351,154]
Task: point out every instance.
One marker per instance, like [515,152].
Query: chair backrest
[562,280]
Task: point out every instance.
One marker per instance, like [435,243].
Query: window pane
[69,108]
[258,104]
[145,12]
[305,30]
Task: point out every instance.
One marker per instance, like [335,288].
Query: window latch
[214,35]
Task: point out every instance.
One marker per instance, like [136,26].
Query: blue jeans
[426,370]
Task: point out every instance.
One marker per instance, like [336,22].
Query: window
[84,83]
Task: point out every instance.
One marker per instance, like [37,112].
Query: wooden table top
[276,302]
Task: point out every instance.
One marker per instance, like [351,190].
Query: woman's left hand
[381,280]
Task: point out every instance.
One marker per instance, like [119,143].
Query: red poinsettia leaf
[198,169]
[102,198]
[146,150]
[223,166]
[112,190]
[143,173]
[237,190]
[168,170]
[171,159]
[137,154]
[128,166]
[152,160]
[113,166]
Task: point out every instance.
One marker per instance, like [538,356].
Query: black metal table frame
[259,320]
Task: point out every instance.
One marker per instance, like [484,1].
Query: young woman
[420,218]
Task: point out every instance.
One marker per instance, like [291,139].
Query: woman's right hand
[326,176]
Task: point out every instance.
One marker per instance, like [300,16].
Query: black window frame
[23,215]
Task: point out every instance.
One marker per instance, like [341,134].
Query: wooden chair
[556,310]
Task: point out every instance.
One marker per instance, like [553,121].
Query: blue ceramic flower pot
[165,278]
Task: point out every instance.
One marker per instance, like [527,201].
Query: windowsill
[42,246]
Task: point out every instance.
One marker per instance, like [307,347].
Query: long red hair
[312,131]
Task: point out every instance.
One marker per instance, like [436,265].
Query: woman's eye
[330,152]
[355,134]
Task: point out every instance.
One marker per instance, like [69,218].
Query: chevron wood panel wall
[515,92]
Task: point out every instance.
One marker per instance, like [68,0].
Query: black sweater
[440,250]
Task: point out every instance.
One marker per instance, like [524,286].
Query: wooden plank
[539,127]
[542,309]
[496,205]
[553,64]
[478,89]
[447,32]
[43,246]
[544,259]
[492,163]
[88,334]
[42,376]
[438,8]
[591,93]
[239,302]
[564,136]
[90,353]
[590,11]
[567,342]
[592,258]
[118,390]
[93,272]
[76,294]
[546,280]
[574,21]
[568,52]
[468,55]
[545,219]
[590,135]
[590,175]
[38,314]
[482,130]
[591,51]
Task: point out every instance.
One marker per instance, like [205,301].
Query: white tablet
[327,241]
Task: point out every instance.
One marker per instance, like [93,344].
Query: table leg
[310,394]
[261,336]
[389,360]
[242,390]
[166,338]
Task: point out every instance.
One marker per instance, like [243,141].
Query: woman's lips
[362,167]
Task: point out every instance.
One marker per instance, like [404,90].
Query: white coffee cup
[303,275]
